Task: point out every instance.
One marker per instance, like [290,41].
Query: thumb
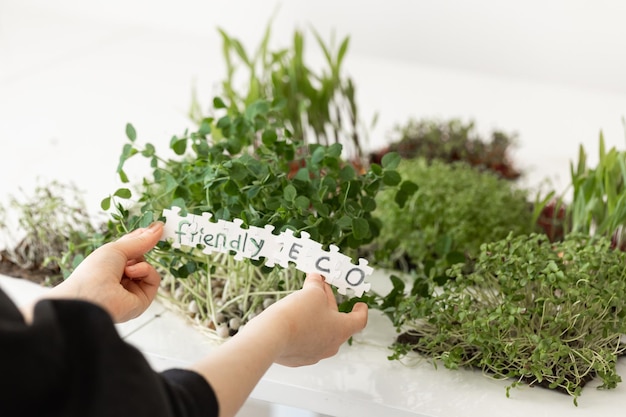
[314,280]
[356,320]
[139,241]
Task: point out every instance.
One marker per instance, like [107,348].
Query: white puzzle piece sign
[257,243]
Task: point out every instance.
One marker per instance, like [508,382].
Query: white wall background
[73,73]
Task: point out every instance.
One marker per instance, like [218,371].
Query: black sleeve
[72,362]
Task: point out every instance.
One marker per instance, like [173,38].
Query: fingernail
[154,226]
[141,230]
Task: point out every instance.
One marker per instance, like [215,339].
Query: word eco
[255,243]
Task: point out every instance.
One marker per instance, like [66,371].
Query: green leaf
[179,146]
[360,228]
[179,202]
[368,203]
[105,204]
[391,160]
[334,150]
[148,151]
[234,145]
[77,260]
[231,188]
[170,183]
[391,178]
[218,103]
[409,187]
[441,279]
[395,296]
[455,257]
[253,191]
[344,222]
[127,151]
[123,176]
[224,123]
[420,288]
[185,270]
[146,219]
[343,48]
[131,133]
[240,51]
[181,192]
[303,175]
[398,283]
[321,208]
[347,173]
[123,193]
[259,107]
[269,137]
[238,172]
[290,193]
[405,192]
[205,126]
[318,156]
[302,202]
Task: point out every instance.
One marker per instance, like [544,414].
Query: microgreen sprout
[241,166]
[541,313]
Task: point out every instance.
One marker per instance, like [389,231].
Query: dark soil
[37,275]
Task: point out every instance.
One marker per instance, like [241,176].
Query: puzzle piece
[354,277]
[337,262]
[322,262]
[171,220]
[296,249]
[339,271]
[287,241]
[309,252]
[172,227]
[208,228]
[239,243]
[267,244]
[222,235]
[256,243]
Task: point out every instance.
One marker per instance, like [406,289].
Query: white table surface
[359,380]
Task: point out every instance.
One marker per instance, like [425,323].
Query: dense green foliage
[455,210]
[599,194]
[247,166]
[541,313]
[451,141]
[318,105]
[255,172]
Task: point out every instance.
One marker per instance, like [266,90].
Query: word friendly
[255,243]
